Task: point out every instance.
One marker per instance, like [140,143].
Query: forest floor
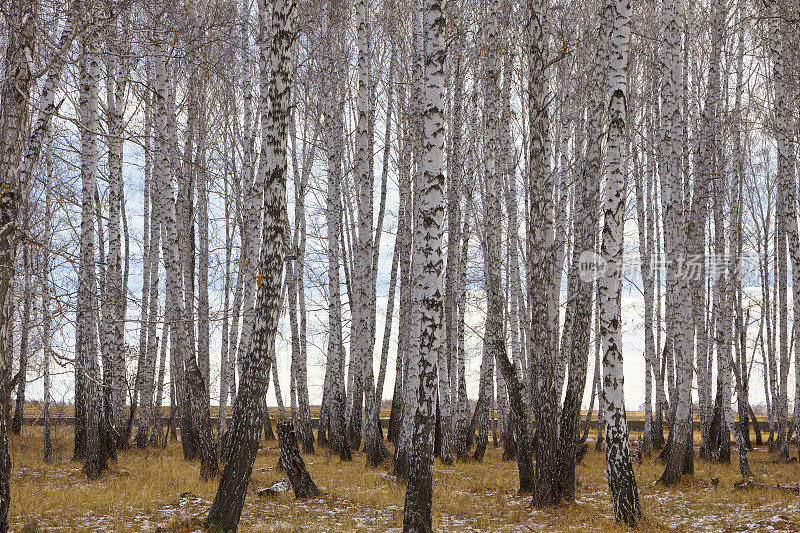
[156,488]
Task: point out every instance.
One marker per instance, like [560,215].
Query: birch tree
[786,210]
[495,335]
[429,287]
[93,429]
[196,435]
[333,116]
[541,265]
[621,479]
[115,109]
[580,290]
[677,313]
[14,92]
[246,420]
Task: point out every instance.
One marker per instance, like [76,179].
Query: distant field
[33,412]
[66,412]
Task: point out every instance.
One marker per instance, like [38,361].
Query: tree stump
[293,464]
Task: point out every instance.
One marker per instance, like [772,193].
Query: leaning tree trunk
[495,334]
[247,413]
[292,462]
[580,287]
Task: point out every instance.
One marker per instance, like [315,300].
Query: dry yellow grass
[143,491]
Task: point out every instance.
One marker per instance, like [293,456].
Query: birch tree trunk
[621,479]
[404,239]
[580,290]
[203,306]
[419,492]
[225,352]
[147,374]
[454,190]
[115,104]
[541,265]
[145,302]
[155,434]
[362,337]
[494,333]
[723,320]
[415,131]
[296,291]
[463,429]
[25,327]
[679,460]
[247,412]
[46,316]
[94,453]
[644,219]
[196,423]
[334,144]
[14,92]
[786,211]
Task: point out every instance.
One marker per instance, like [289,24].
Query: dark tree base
[293,464]
[308,437]
[268,434]
[16,423]
[744,466]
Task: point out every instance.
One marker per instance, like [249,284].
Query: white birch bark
[678,309]
[230,228]
[541,257]
[419,492]
[621,480]
[196,435]
[95,460]
[402,464]
[249,407]
[150,278]
[786,211]
[577,328]
[115,109]
[334,144]
[454,191]
[46,316]
[203,306]
[404,239]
